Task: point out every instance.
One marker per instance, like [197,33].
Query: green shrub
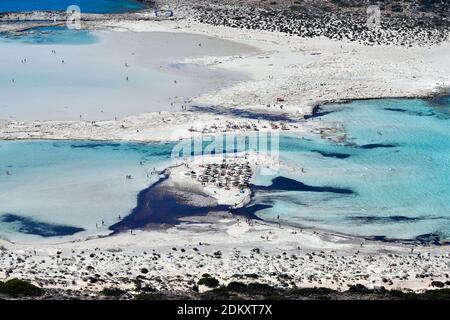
[219,293]
[305,292]
[210,282]
[17,287]
[437,284]
[260,289]
[149,296]
[396,293]
[358,288]
[236,286]
[438,294]
[113,292]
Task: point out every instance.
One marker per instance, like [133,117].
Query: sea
[388,179]
[86,6]
[382,173]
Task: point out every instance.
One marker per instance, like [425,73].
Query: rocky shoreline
[267,261]
[401,24]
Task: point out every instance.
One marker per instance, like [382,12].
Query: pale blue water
[402,191]
[87,6]
[51,36]
[116,75]
[76,184]
[395,160]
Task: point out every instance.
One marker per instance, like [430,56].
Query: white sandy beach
[294,73]
[302,72]
[176,258]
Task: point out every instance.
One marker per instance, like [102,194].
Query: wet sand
[123,74]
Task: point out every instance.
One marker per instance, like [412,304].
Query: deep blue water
[87,6]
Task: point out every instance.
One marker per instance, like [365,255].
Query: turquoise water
[51,35]
[87,6]
[395,160]
[72,184]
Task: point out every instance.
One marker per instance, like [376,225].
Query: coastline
[163,257]
[171,259]
[298,82]
[328,259]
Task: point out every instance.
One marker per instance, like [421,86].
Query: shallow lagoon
[103,75]
[72,184]
[390,178]
[396,160]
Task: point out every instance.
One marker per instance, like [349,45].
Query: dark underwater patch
[332,154]
[34,227]
[251,210]
[396,109]
[375,219]
[318,112]
[160,204]
[378,145]
[440,100]
[424,239]
[94,145]
[410,112]
[287,184]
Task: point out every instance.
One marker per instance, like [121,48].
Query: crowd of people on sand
[243,126]
[227,174]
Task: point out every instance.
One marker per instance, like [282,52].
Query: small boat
[164,13]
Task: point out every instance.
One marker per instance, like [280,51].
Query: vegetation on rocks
[209,281]
[113,292]
[16,288]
